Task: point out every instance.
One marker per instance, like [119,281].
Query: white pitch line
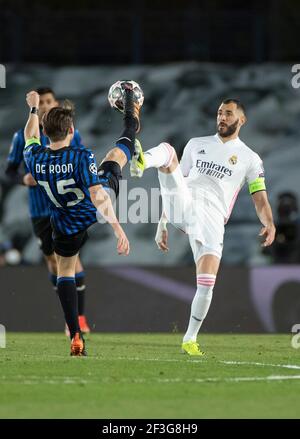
[175,360]
[161,380]
[164,360]
[268,378]
[46,379]
[202,360]
[39,382]
[233,379]
[252,363]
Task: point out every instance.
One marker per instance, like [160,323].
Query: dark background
[56,34]
[144,31]
[118,304]
[113,302]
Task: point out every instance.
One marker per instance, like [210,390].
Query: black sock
[80,287]
[127,139]
[66,290]
[126,142]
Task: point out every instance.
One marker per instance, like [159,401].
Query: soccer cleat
[137,163]
[78,346]
[191,348]
[84,327]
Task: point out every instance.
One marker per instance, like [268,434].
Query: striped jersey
[65,176]
[38,202]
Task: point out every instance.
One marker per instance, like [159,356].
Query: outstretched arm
[161,237]
[264,213]
[32,128]
[103,204]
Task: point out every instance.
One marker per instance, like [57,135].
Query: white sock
[159,156]
[200,305]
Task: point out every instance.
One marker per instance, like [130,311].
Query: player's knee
[110,174]
[172,162]
[110,168]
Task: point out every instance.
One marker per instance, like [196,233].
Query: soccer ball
[116,94]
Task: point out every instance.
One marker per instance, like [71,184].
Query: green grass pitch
[147,376]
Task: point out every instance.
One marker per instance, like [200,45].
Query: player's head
[230,118]
[58,125]
[47,100]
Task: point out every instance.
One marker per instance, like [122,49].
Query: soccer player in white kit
[198,196]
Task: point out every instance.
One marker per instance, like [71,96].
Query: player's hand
[28,180]
[268,232]
[33,99]
[161,237]
[123,243]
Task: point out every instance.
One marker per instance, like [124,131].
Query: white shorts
[197,217]
[200,249]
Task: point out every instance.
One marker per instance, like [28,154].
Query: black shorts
[109,174]
[69,245]
[43,231]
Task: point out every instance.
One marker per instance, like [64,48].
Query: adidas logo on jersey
[202,151]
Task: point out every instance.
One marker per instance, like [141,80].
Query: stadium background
[203,51]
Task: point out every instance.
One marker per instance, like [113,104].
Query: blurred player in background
[69,177]
[39,203]
[286,246]
[198,196]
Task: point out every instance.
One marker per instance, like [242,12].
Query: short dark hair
[238,103]
[44,90]
[57,123]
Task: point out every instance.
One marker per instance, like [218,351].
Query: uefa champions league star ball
[116,94]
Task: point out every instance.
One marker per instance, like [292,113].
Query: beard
[227,130]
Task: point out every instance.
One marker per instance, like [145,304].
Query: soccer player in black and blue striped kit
[38,202]
[69,177]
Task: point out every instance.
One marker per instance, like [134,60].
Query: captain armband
[32,140]
[257,185]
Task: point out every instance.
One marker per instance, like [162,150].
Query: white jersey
[216,171]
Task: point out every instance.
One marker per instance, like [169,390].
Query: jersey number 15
[63,189]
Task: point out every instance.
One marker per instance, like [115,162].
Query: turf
[147,376]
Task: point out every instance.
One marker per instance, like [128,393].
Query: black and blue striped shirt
[38,202]
[65,176]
